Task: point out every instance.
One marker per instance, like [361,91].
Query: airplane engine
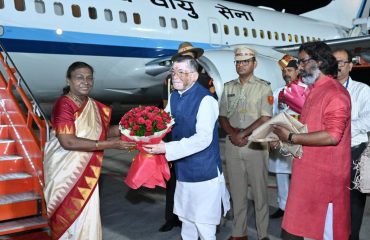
[219,64]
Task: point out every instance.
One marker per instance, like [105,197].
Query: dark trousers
[358,199]
[170,193]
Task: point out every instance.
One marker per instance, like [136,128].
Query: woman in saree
[73,157]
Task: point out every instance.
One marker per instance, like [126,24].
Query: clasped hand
[239,137]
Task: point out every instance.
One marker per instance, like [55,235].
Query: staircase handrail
[35,112]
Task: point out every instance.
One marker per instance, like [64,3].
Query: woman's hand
[129,146]
[117,143]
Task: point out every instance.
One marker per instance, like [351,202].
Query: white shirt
[206,117]
[199,201]
[360,114]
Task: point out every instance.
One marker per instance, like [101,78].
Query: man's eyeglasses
[180,73]
[81,78]
[244,62]
[341,63]
[303,61]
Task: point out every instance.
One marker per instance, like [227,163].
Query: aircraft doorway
[214,32]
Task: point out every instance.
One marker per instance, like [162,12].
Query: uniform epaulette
[264,81]
[231,82]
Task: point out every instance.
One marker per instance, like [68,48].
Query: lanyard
[347,83]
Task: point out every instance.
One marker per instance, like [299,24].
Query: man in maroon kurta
[318,202]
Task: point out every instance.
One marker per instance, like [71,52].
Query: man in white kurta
[360,126]
[200,186]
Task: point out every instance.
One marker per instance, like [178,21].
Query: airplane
[130,42]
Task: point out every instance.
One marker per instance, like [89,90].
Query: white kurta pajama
[199,203]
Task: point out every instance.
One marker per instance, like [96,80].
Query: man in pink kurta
[318,202]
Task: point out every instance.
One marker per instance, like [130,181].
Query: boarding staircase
[23,132]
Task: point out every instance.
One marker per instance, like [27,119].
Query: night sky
[290,6]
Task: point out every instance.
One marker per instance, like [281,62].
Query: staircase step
[4,131]
[7,146]
[6,103]
[10,158]
[11,164]
[11,117]
[13,176]
[20,197]
[12,183]
[36,234]
[19,205]
[23,224]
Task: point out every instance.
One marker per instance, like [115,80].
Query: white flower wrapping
[145,139]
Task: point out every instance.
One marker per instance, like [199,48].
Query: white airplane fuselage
[129,43]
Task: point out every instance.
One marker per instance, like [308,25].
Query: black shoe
[168,225]
[278,214]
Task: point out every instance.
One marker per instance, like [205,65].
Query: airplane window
[290,37]
[162,22]
[226,29]
[214,28]
[174,23]
[137,18]
[19,5]
[1,4]
[76,11]
[39,6]
[185,25]
[276,35]
[123,16]
[245,30]
[283,36]
[58,9]
[262,34]
[302,39]
[269,34]
[296,38]
[108,15]
[236,30]
[92,13]
[254,33]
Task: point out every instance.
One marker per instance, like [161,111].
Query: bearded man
[318,201]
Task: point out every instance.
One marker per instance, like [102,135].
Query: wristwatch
[290,136]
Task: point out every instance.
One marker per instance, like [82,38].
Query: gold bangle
[96,144]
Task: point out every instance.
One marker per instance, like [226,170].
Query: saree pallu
[71,178]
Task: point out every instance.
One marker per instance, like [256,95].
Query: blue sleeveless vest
[203,165]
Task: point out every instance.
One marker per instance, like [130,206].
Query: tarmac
[129,214]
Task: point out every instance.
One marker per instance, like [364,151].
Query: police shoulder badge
[270,99]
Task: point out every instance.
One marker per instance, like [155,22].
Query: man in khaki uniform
[246,103]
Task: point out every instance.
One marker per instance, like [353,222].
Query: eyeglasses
[303,61]
[341,63]
[181,74]
[81,78]
[244,62]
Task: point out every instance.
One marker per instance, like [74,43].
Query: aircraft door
[215,34]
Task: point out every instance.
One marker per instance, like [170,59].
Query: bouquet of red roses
[144,125]
[294,95]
